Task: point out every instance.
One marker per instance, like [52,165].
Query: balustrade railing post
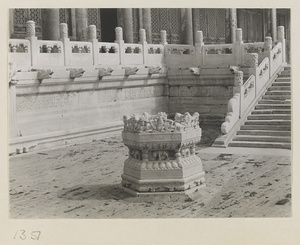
[253,59]
[238,51]
[63,36]
[280,38]
[142,35]
[199,45]
[120,41]
[267,52]
[30,35]
[92,37]
[163,41]
[238,84]
[13,80]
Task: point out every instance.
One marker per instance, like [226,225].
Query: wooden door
[168,20]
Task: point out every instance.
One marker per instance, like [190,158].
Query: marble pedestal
[162,162]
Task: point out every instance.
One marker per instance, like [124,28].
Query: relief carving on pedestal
[160,123]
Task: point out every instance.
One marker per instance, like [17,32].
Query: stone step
[273,106]
[264,132]
[275,87]
[262,138]
[287,67]
[281,83]
[267,127]
[256,144]
[283,79]
[272,111]
[269,117]
[268,122]
[285,73]
[276,97]
[278,92]
[263,101]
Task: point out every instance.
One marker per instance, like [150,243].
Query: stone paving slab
[83,181]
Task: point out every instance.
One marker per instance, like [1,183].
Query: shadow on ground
[94,192]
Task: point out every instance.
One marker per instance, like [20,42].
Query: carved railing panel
[50,52]
[247,94]
[218,54]
[133,54]
[262,74]
[108,53]
[276,58]
[155,54]
[180,55]
[19,52]
[80,53]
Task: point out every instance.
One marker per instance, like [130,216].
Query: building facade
[76,72]
[180,24]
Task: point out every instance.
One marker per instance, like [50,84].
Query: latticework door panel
[212,23]
[251,22]
[168,20]
[135,25]
[94,19]
[21,16]
[65,17]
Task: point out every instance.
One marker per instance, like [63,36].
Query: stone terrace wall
[207,93]
[61,110]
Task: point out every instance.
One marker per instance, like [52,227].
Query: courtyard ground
[83,181]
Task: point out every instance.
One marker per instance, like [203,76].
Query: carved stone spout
[43,74]
[154,70]
[131,71]
[195,71]
[13,79]
[76,73]
[104,72]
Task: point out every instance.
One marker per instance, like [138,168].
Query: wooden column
[127,25]
[186,26]
[196,24]
[146,13]
[50,24]
[268,21]
[233,24]
[81,24]
[274,24]
[11,22]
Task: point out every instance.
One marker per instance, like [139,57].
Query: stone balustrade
[70,53]
[135,72]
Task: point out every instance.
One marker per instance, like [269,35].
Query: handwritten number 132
[34,235]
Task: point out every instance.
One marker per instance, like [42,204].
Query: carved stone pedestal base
[162,162]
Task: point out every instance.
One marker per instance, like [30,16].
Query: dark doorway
[108,24]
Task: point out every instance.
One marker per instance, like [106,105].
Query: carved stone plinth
[162,155]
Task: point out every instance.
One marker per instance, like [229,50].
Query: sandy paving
[83,181]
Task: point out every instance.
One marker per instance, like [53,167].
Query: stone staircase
[269,124]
